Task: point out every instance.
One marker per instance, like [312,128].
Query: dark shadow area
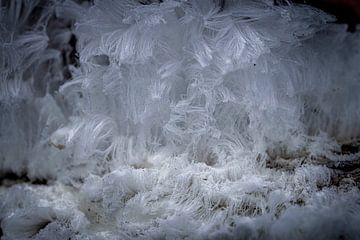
[9,179]
[346,11]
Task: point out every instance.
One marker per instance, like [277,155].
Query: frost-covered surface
[167,126]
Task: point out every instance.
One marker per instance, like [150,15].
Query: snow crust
[166,127]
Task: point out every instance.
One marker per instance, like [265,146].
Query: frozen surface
[173,119]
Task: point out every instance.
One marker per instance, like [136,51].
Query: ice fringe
[165,128]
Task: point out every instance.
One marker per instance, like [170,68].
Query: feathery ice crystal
[177,120]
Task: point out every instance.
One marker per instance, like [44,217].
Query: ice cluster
[178,119]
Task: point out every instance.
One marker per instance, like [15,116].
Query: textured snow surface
[171,119]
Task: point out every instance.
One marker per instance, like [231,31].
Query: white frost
[168,125]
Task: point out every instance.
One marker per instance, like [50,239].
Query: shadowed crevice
[8,179]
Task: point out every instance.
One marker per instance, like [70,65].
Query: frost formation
[179,120]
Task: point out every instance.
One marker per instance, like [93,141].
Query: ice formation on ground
[181,120]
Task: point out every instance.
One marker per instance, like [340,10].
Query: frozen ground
[177,120]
